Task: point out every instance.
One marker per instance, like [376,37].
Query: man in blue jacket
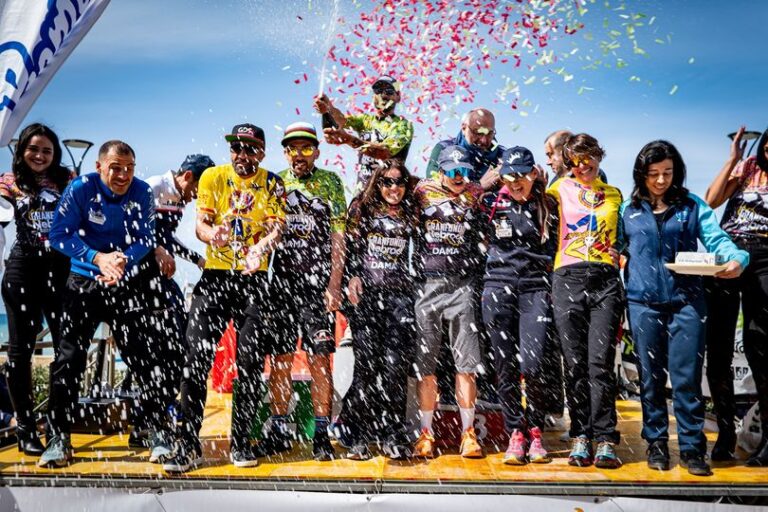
[105,224]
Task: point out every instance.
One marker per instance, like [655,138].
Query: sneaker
[322,449]
[695,463]
[605,456]
[658,455]
[243,457]
[725,447]
[162,449]
[58,453]
[183,461]
[581,452]
[425,445]
[536,451]
[470,448]
[515,454]
[278,440]
[342,434]
[759,459]
[359,452]
[397,451]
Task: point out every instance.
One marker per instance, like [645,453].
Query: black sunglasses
[236,148]
[387,182]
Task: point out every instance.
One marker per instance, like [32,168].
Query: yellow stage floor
[108,459]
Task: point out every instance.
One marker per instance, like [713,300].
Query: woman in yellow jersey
[588,299]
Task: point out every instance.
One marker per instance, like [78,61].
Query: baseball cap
[453,157]
[246,133]
[517,160]
[197,164]
[300,130]
[386,80]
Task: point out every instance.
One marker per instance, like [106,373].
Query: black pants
[519,324]
[219,296]
[384,338]
[32,288]
[88,303]
[723,299]
[588,303]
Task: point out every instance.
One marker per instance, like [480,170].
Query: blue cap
[453,157]
[197,164]
[516,160]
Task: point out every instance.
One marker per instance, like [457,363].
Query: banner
[36,37]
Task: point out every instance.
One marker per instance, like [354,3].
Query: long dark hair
[25,177]
[762,160]
[653,153]
[370,198]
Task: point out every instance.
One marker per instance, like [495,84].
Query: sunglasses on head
[237,147]
[387,182]
[305,151]
[463,171]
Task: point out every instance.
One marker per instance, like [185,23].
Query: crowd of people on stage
[516,271]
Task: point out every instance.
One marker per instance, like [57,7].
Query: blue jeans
[669,339]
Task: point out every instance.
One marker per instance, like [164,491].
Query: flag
[36,37]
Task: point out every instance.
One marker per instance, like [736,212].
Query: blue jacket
[91,218]
[646,278]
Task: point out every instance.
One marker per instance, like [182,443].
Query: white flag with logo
[36,37]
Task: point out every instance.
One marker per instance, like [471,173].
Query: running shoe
[162,448]
[243,457]
[470,448]
[184,460]
[515,454]
[58,453]
[425,445]
[359,452]
[658,455]
[605,456]
[536,451]
[396,450]
[581,452]
[695,463]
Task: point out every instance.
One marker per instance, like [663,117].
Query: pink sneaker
[515,454]
[536,451]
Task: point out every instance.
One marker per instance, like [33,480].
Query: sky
[172,77]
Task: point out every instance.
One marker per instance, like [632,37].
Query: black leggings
[723,299]
[32,288]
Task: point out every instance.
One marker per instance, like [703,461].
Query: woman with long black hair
[667,310]
[35,274]
[743,183]
[381,225]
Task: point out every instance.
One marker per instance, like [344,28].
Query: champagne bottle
[328,121]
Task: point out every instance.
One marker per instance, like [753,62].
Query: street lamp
[85,145]
[747,136]
[12,146]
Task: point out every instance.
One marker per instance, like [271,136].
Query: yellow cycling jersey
[248,205]
[589,220]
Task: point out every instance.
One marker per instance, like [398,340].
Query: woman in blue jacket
[667,310]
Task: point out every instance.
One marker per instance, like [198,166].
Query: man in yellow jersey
[240,215]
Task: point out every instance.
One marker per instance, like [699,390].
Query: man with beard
[306,289]
[478,137]
[240,216]
[381,136]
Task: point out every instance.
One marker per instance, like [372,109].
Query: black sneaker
[760,457]
[277,440]
[321,446]
[695,463]
[397,451]
[243,457]
[183,461]
[725,447]
[658,455]
[359,452]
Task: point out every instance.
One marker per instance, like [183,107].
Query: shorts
[296,308]
[451,300]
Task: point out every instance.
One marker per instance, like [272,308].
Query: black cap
[246,133]
[197,164]
[517,160]
[453,157]
[385,80]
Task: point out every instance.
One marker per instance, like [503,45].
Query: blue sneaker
[606,457]
[581,452]
[163,448]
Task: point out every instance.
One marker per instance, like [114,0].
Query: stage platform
[106,461]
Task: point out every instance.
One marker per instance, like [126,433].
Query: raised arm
[726,182]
